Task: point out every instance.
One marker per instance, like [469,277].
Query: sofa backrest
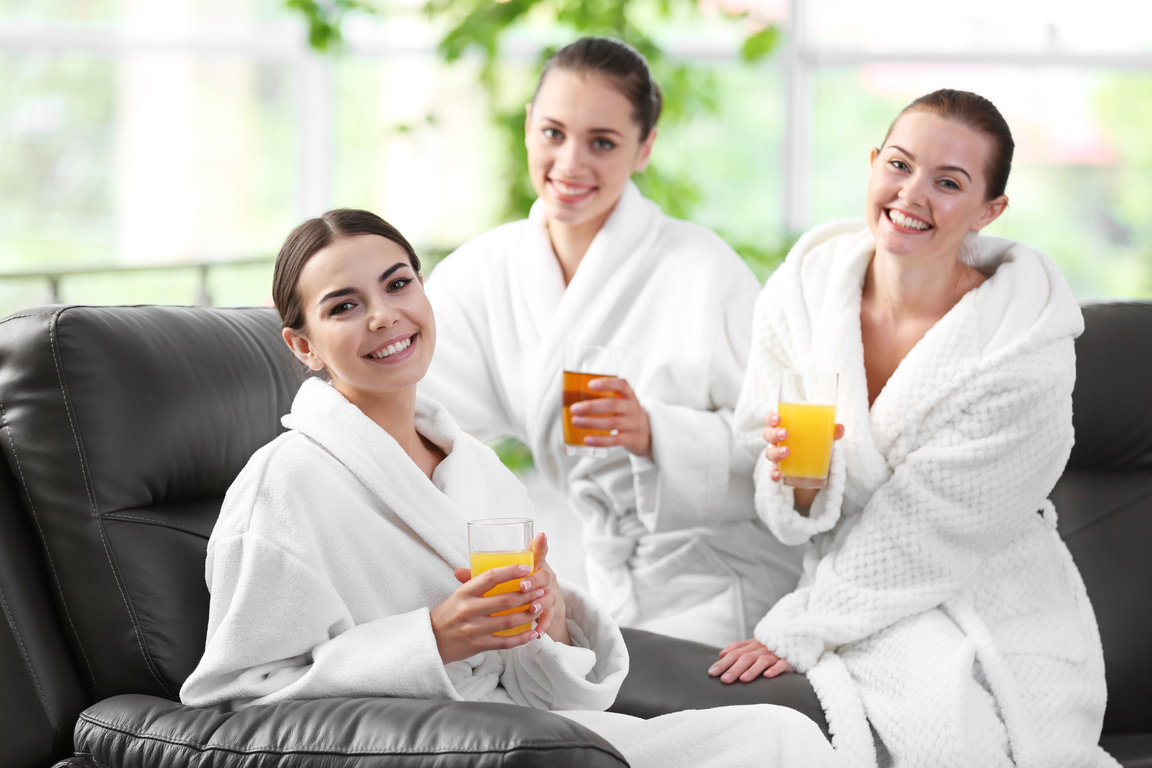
[123,427]
[1104,498]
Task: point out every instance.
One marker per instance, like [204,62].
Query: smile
[391,349]
[906,222]
[571,192]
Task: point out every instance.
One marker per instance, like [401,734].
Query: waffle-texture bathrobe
[672,545]
[332,546]
[940,618]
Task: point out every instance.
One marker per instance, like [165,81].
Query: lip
[589,189]
[399,356]
[906,230]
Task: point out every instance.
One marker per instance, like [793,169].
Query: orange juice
[810,429]
[576,389]
[485,561]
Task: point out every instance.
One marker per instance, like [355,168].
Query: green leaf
[760,44]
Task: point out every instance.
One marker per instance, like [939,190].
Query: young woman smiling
[671,542]
[940,617]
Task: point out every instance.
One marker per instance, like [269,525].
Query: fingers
[759,667]
[539,550]
[774,434]
[491,578]
[780,667]
[463,575]
[838,433]
[613,384]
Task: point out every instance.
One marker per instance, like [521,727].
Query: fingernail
[535,607]
[539,593]
[726,678]
[713,671]
[525,585]
[781,434]
[525,569]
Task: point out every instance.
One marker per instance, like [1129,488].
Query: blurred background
[159,152]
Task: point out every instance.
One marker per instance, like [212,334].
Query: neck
[570,244]
[918,289]
[395,414]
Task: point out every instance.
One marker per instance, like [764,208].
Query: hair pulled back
[979,114]
[624,66]
[314,235]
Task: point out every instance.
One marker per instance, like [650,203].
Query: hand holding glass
[494,543]
[581,365]
[807,408]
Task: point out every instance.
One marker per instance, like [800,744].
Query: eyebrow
[559,124]
[350,291]
[939,168]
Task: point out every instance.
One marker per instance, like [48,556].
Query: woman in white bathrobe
[672,543]
[335,568]
[940,617]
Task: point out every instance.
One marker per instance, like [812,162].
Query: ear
[302,348]
[872,155]
[992,210]
[645,152]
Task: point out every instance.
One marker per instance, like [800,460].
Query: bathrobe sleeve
[279,629]
[699,474]
[586,675]
[976,481]
[461,376]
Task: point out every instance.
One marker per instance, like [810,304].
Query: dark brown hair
[622,64]
[314,235]
[979,114]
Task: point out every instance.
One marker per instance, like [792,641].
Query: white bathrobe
[940,617]
[330,549]
[672,544]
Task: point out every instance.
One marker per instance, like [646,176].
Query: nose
[570,157]
[381,314]
[914,190]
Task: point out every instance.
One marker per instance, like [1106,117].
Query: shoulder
[685,245]
[290,467]
[480,253]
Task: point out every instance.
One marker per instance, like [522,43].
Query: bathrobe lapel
[590,310]
[377,460]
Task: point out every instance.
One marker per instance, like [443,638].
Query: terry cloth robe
[940,617]
[330,549]
[672,544]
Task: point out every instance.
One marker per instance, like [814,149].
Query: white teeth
[569,191]
[392,349]
[901,220]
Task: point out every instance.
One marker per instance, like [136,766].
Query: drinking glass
[497,542]
[582,363]
[807,408]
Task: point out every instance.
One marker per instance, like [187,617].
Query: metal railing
[53,277]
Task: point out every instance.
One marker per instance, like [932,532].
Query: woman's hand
[620,413]
[464,625]
[747,660]
[553,620]
[774,435]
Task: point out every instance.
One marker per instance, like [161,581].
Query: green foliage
[760,44]
[324,18]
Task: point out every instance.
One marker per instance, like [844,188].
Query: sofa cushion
[124,428]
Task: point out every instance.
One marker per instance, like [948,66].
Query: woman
[940,618]
[334,566]
[671,540]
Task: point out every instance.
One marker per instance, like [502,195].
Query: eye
[949,184]
[398,283]
[899,165]
[552,134]
[603,144]
[341,308]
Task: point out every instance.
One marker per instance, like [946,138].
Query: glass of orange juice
[807,408]
[582,363]
[497,542]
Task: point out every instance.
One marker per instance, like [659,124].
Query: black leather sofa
[121,428]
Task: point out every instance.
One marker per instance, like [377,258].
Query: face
[583,146]
[367,321]
[927,188]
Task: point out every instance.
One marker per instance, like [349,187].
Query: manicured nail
[539,593]
[535,607]
[714,671]
[781,434]
[525,569]
[525,585]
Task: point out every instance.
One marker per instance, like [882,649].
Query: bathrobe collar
[436,509]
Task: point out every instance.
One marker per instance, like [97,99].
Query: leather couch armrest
[134,730]
[667,674]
